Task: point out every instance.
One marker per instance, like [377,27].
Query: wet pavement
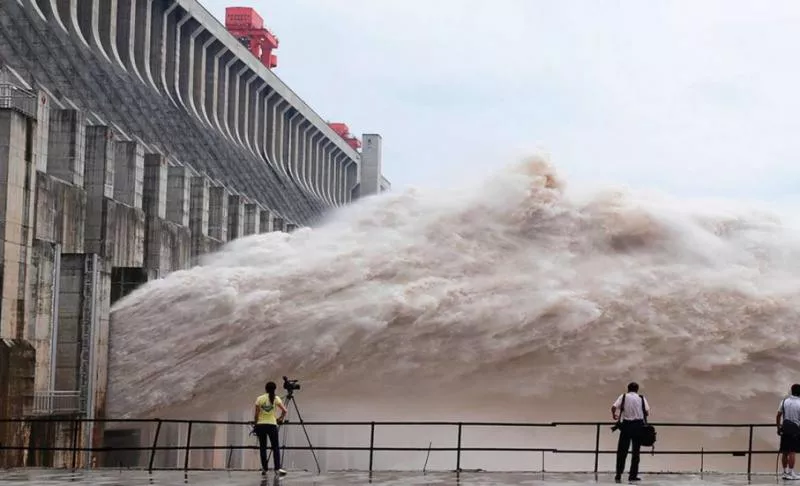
[50,477]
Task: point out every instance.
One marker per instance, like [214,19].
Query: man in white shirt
[633,409]
[788,422]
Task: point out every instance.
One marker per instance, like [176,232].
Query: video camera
[290,385]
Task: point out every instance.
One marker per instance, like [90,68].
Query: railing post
[153,449]
[371,444]
[458,449]
[750,452]
[702,458]
[596,450]
[188,442]
[75,425]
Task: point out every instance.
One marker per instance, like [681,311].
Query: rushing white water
[515,299]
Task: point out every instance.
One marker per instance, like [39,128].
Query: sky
[692,98]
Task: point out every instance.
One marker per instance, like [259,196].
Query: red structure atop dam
[248,27]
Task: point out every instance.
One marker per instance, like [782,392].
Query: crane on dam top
[248,27]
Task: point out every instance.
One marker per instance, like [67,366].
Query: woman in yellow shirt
[267,426]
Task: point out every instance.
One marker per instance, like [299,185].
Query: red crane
[344,131]
[248,27]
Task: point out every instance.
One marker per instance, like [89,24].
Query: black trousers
[264,431]
[630,432]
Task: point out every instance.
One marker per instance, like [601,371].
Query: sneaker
[787,475]
[633,480]
[263,472]
[795,475]
[280,472]
[617,479]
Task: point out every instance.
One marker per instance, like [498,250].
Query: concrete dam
[135,136]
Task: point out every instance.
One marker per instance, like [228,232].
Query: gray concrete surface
[135,478]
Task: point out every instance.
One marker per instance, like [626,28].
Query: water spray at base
[514,300]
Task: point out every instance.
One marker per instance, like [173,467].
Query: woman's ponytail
[270,388]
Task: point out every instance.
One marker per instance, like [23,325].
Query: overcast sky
[696,98]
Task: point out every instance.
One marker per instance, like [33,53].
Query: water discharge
[512,300]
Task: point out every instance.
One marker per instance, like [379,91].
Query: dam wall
[135,136]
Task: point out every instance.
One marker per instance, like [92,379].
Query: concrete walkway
[136,478]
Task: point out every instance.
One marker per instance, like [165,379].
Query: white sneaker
[280,472]
[795,475]
[787,475]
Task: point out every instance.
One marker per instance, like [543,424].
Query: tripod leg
[319,469]
[285,430]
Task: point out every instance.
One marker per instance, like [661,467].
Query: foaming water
[515,299]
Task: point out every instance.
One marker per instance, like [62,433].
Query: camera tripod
[290,399]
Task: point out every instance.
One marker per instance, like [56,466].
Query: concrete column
[311,160]
[169,33]
[82,13]
[278,224]
[99,186]
[157,36]
[209,78]
[325,171]
[292,156]
[125,25]
[319,167]
[220,86]
[43,279]
[351,180]
[235,216]
[66,146]
[279,137]
[288,129]
[257,118]
[370,165]
[236,100]
[199,213]
[227,90]
[218,213]
[265,225]
[89,17]
[16,136]
[156,169]
[155,186]
[183,53]
[338,162]
[197,58]
[270,114]
[252,219]
[68,342]
[129,173]
[142,25]
[290,227]
[42,132]
[305,152]
[178,194]
[105,23]
[245,108]
[54,14]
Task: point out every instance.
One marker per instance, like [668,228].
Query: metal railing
[55,403]
[371,448]
[21,100]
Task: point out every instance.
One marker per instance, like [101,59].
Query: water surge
[512,299]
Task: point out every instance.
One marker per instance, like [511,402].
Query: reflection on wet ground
[49,477]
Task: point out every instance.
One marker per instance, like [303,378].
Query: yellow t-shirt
[266,410]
